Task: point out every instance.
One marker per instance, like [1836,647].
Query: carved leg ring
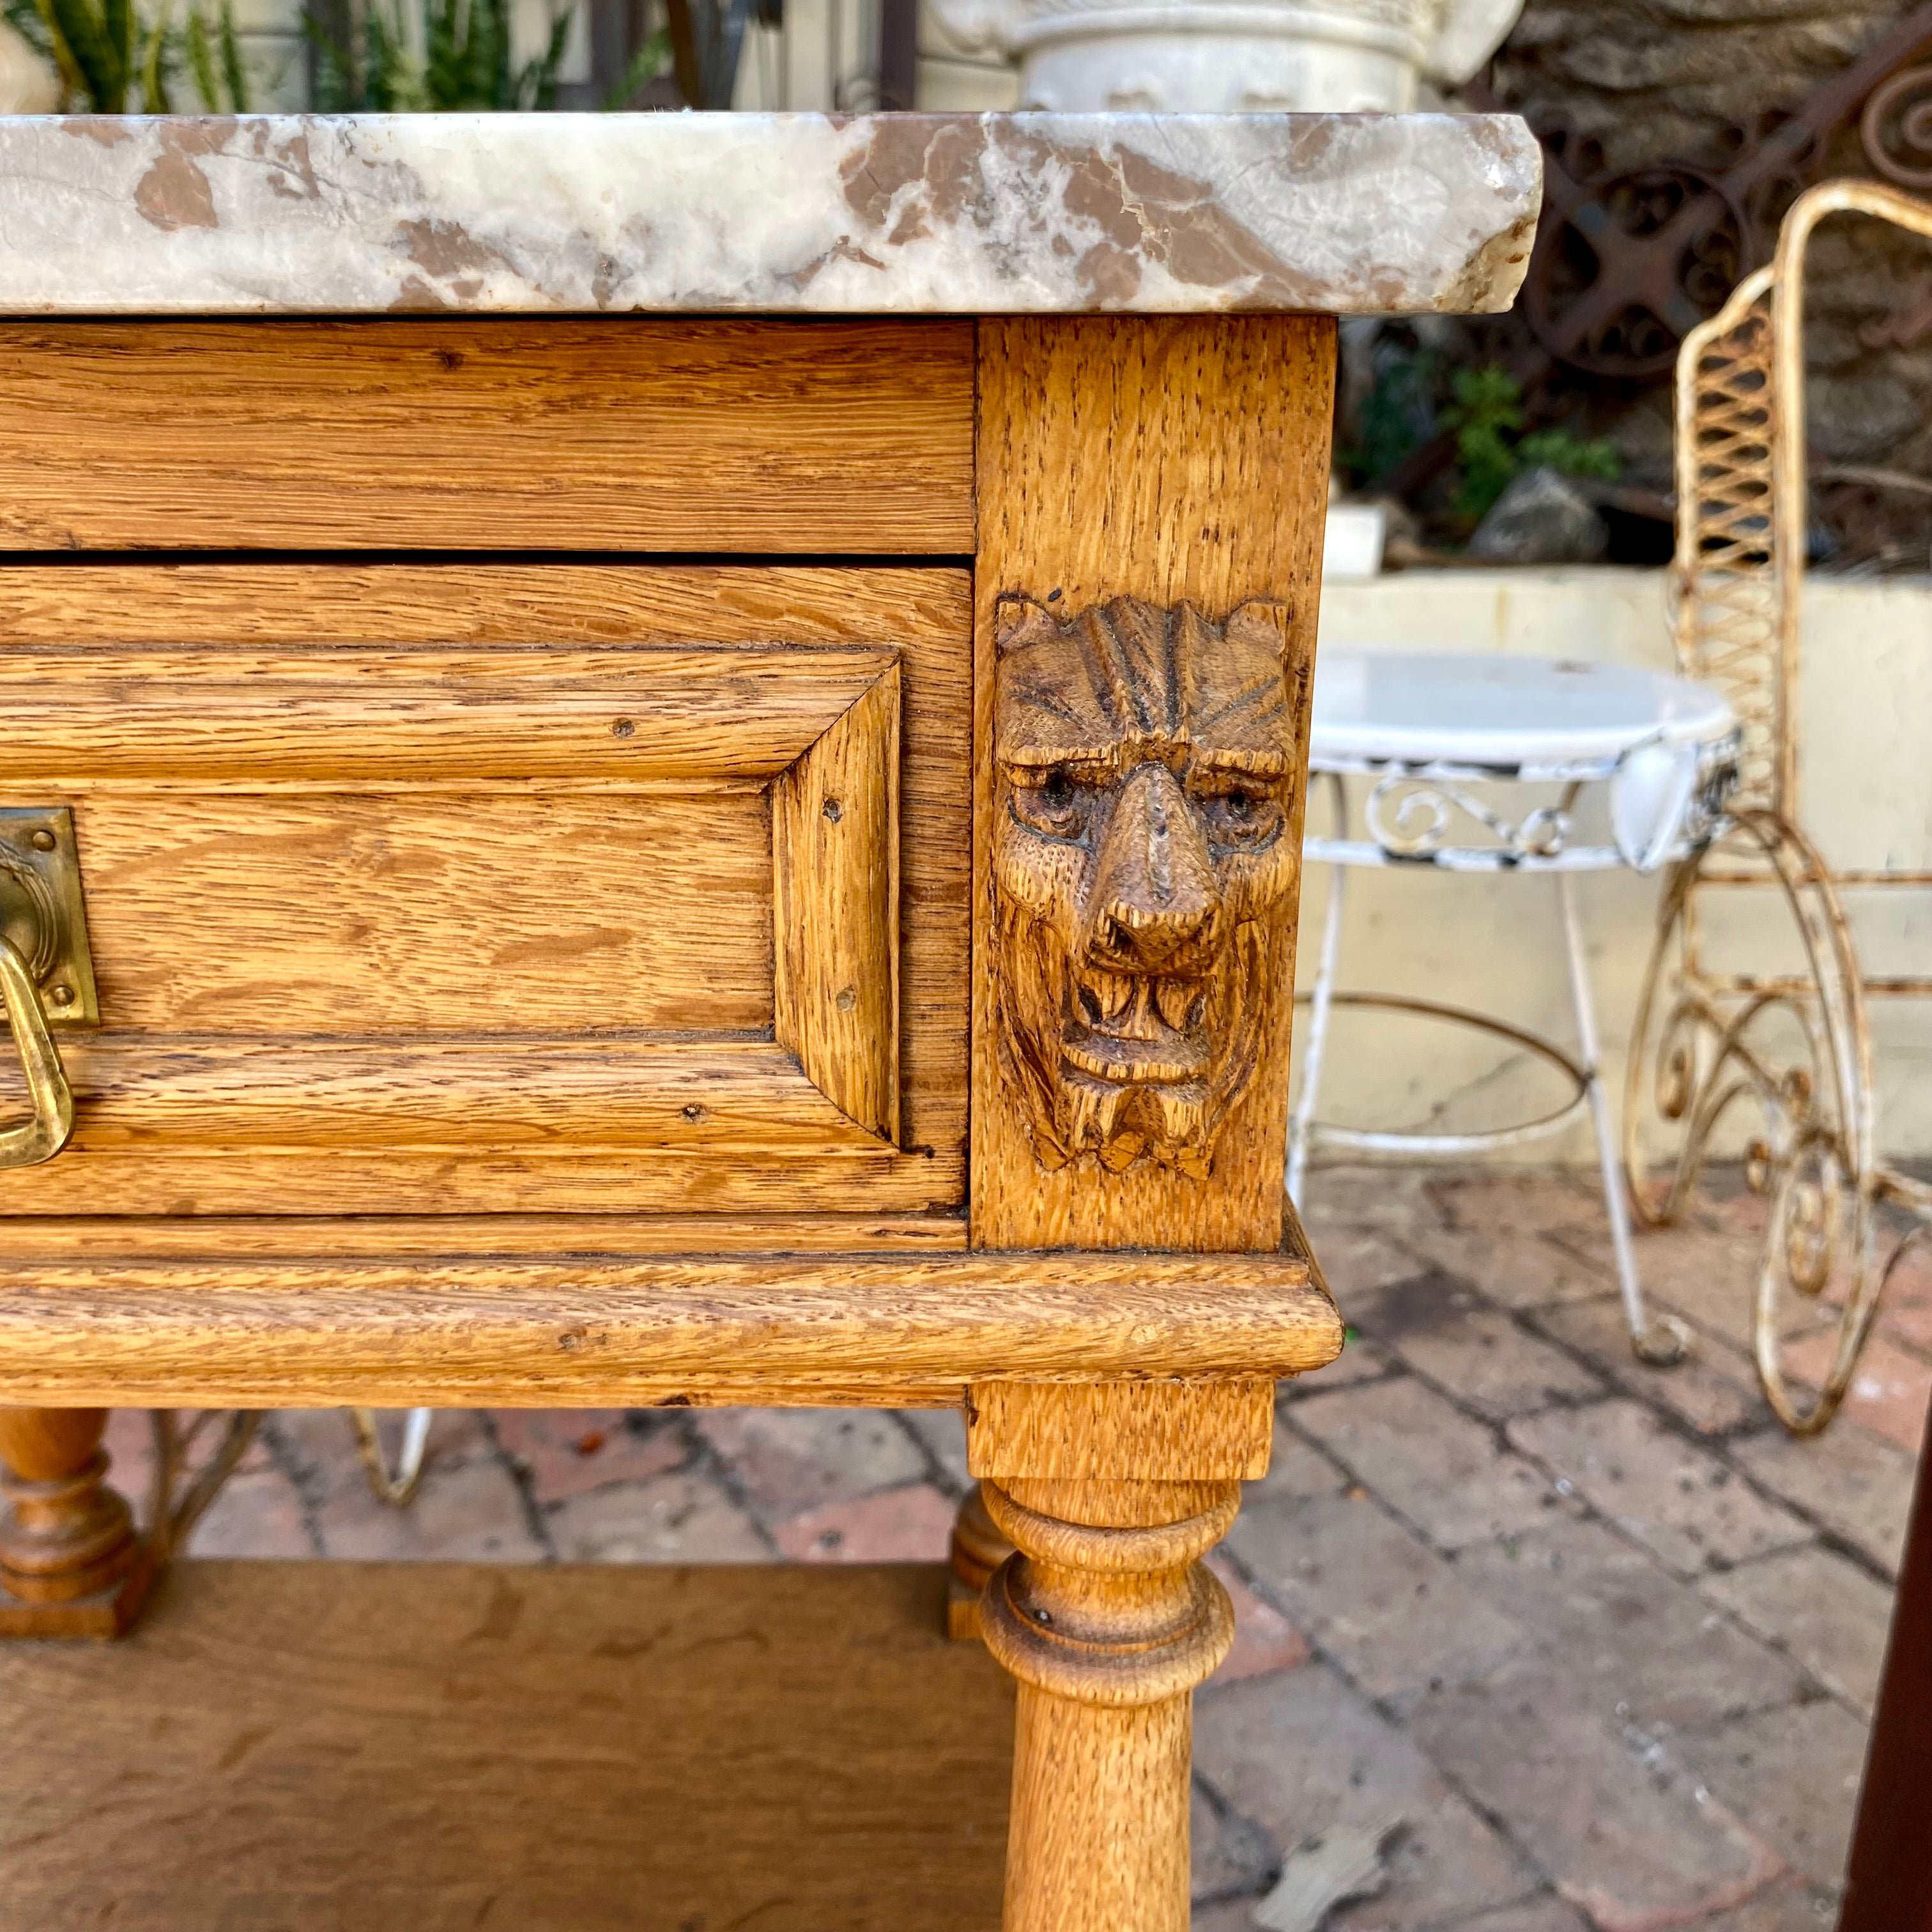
[1108,1622]
[978,1548]
[70,1563]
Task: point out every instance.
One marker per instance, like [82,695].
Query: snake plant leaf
[155,65]
[92,55]
[234,68]
[201,61]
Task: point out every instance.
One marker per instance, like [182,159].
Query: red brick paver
[1599,1639]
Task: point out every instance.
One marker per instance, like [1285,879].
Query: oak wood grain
[377,821]
[71,1563]
[549,1096]
[867,1177]
[28,1238]
[456,603]
[560,1332]
[423,1747]
[339,914]
[1138,1431]
[1180,462]
[1166,459]
[1108,1619]
[344,716]
[836,901]
[556,433]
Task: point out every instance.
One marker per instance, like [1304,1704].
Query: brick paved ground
[1600,1643]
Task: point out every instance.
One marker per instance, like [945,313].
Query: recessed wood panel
[241,914]
[488,432]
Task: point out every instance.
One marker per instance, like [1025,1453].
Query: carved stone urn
[1218,56]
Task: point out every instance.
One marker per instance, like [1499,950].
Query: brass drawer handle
[46,1134]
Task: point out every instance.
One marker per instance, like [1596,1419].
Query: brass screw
[43,840]
[623,728]
[693,1112]
[62,995]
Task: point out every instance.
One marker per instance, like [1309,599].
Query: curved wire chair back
[1742,499]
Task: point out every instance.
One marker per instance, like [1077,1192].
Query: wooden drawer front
[519,923]
[487,434]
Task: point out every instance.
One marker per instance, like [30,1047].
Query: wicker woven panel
[1730,613]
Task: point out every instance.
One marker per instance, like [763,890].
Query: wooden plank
[343,717]
[1167,459]
[489,434]
[835,896]
[866,1176]
[27,1238]
[671,1097]
[91,1331]
[423,1747]
[456,604]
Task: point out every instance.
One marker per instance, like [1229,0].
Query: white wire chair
[1793,1041]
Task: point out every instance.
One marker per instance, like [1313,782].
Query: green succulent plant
[1487,417]
[115,58]
[466,63]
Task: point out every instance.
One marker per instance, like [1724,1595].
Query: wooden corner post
[1151,493]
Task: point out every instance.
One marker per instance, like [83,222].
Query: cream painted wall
[1494,942]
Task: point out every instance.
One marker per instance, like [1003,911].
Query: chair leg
[1301,1122]
[1108,1621]
[1659,1342]
[71,1564]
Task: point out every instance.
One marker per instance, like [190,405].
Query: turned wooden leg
[71,1562]
[978,1548]
[1107,1618]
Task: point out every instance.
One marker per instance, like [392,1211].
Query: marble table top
[770,214]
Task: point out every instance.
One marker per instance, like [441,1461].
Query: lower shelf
[365,1747]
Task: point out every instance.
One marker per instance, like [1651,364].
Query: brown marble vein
[774,213]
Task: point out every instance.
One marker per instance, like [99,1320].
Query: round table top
[1488,709]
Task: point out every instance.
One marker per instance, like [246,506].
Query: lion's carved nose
[1154,900]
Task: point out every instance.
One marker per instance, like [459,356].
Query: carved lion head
[1142,859]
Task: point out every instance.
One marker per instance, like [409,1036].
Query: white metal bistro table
[1437,734]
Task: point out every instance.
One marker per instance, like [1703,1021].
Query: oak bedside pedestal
[661,761]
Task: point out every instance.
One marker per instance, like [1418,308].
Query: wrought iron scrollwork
[1413,817]
[181,1488]
[1896,128]
[1795,1050]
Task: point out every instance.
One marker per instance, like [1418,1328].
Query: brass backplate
[42,910]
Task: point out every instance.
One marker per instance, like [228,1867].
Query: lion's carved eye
[1242,816]
[1056,803]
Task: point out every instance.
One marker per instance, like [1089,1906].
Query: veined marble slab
[776,214]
